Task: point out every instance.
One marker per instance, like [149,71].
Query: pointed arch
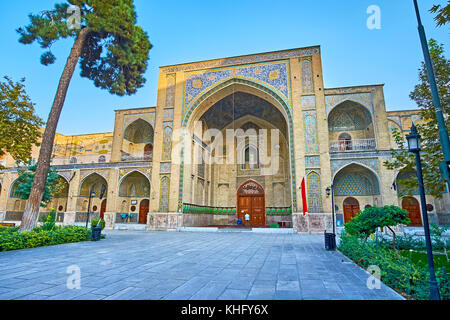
[13,189]
[134,184]
[139,131]
[93,181]
[222,89]
[359,181]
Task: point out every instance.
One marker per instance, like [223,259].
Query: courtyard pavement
[187,265]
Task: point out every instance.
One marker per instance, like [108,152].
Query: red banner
[305,206]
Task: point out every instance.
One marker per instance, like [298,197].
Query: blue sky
[186,31]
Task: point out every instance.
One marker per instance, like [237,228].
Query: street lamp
[442,128]
[330,238]
[414,147]
[91,195]
[330,191]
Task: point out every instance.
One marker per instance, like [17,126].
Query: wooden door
[143,211]
[258,218]
[351,208]
[411,205]
[251,200]
[103,209]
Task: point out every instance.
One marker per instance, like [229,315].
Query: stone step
[243,230]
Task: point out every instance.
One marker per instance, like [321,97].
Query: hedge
[400,273]
[12,239]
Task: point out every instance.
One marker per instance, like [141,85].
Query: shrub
[437,236]
[372,218]
[12,239]
[397,272]
[96,221]
[50,221]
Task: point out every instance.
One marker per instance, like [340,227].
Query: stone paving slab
[187,265]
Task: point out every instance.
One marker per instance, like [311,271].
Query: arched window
[102,159]
[250,157]
[73,160]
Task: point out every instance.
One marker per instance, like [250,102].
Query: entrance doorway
[103,209]
[251,200]
[411,205]
[148,152]
[143,211]
[351,208]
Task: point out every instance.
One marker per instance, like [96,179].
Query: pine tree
[431,150]
[113,52]
[442,13]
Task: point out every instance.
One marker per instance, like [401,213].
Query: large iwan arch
[222,90]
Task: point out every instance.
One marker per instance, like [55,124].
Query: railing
[82,216]
[59,216]
[198,209]
[122,217]
[131,158]
[83,159]
[352,145]
[278,211]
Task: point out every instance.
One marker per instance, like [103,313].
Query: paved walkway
[187,265]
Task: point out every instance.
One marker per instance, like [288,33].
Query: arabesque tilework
[274,75]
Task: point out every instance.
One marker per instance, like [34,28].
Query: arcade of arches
[254,136]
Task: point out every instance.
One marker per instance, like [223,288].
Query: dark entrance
[103,209]
[143,211]
[148,152]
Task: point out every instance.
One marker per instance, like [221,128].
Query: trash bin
[96,232]
[330,241]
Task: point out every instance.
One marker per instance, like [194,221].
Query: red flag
[305,206]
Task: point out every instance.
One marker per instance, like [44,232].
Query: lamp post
[91,195]
[443,133]
[413,139]
[329,190]
[330,238]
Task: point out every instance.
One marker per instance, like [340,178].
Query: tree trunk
[393,242]
[40,178]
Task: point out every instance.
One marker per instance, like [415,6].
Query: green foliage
[25,182]
[12,239]
[50,221]
[443,14]
[19,125]
[405,242]
[115,53]
[398,272]
[421,258]
[437,236]
[96,221]
[431,151]
[372,218]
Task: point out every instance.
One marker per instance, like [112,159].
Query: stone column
[4,196]
[74,189]
[111,202]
